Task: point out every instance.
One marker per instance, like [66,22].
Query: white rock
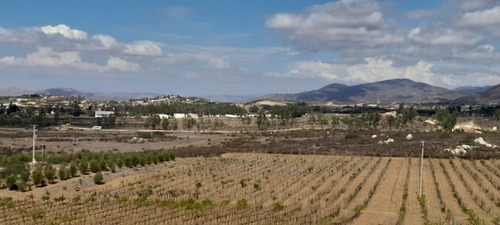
[409,136]
[481,141]
[390,140]
[374,136]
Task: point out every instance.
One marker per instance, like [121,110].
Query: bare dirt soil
[243,188]
[296,176]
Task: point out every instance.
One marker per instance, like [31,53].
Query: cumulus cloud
[473,4]
[47,57]
[439,35]
[105,40]
[122,65]
[336,25]
[144,48]
[65,31]
[375,69]
[486,17]
[486,20]
[6,35]
[218,64]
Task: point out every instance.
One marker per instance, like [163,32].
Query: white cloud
[8,60]
[105,40]
[375,69]
[486,17]
[65,31]
[439,35]
[47,57]
[6,35]
[122,65]
[336,25]
[473,4]
[218,64]
[144,48]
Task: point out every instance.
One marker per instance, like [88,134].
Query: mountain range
[392,91]
[96,96]
[387,91]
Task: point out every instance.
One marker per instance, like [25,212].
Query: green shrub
[94,166]
[242,203]
[84,167]
[50,173]
[37,176]
[99,178]
[73,169]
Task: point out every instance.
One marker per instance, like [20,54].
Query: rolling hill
[387,91]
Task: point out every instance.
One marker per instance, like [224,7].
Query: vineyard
[244,188]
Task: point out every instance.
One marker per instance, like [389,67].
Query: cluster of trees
[17,176]
[446,119]
[200,108]
[201,124]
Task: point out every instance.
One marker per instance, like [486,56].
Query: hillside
[471,89]
[97,96]
[490,96]
[387,91]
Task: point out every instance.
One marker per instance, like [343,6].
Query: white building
[231,116]
[101,114]
[179,115]
[193,115]
[163,116]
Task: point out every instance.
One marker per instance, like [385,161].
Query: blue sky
[245,47]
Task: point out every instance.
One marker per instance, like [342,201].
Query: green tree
[155,122]
[11,180]
[103,165]
[64,173]
[50,173]
[446,119]
[94,166]
[73,169]
[164,124]
[84,167]
[37,176]
[98,178]
[408,115]
[25,176]
[189,123]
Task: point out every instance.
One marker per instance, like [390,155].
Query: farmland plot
[247,188]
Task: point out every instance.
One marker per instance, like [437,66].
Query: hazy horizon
[241,48]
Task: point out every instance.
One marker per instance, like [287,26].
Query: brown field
[248,188]
[294,176]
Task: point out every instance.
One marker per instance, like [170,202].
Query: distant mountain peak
[385,91]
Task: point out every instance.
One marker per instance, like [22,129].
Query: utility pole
[421,170]
[34,138]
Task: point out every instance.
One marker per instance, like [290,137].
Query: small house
[101,114]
